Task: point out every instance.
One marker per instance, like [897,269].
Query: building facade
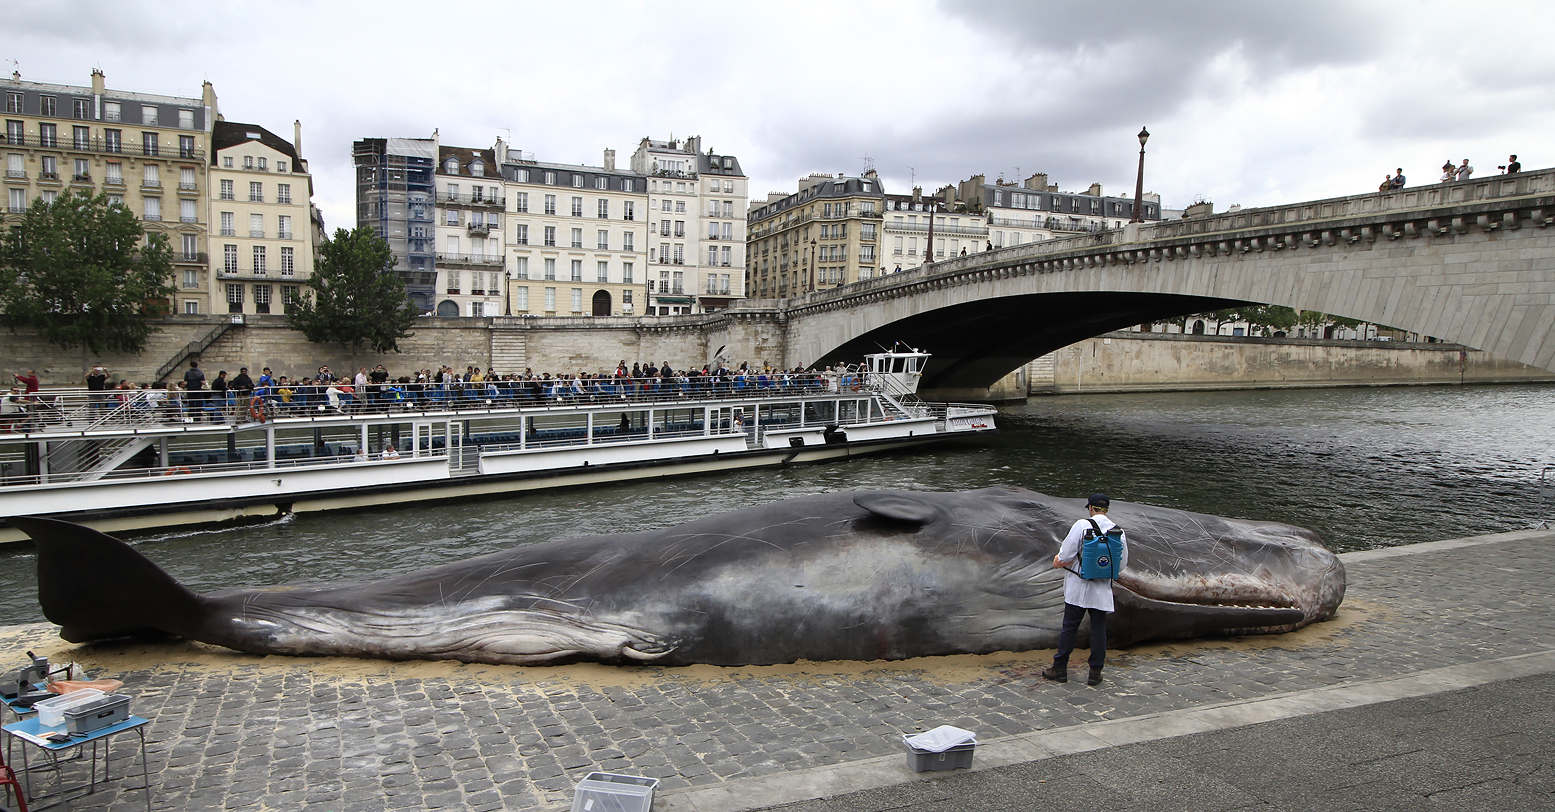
[146,152]
[262,246]
[394,197]
[697,242]
[577,237]
[1035,210]
[825,235]
[906,228]
[470,246]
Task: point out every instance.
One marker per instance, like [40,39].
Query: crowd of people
[196,398]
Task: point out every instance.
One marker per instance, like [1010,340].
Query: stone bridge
[1470,262]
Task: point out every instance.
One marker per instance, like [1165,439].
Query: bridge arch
[1470,262]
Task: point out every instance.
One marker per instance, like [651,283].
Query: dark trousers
[1072,616]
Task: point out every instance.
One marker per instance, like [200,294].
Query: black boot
[1056,673]
[1094,678]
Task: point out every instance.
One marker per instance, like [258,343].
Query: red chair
[12,787]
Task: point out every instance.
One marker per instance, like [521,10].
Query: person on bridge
[1387,183]
[1449,172]
[1465,171]
[1512,166]
[1082,596]
[1398,180]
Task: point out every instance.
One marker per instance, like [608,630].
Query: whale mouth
[1178,613]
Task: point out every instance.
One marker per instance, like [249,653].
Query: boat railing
[240,466]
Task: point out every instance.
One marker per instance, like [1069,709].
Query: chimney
[917,193]
[99,82]
[1095,190]
[1037,182]
[610,160]
[212,108]
[297,136]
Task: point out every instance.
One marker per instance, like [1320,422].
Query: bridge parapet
[1486,204]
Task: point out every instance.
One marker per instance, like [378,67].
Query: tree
[354,298]
[82,271]
[1269,317]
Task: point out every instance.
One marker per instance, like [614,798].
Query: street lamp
[1139,184]
[812,264]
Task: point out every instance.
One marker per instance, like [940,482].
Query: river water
[1364,468]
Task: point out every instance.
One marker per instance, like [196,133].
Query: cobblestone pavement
[238,732]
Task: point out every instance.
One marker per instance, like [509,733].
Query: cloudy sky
[1254,103]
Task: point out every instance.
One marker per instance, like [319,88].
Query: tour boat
[138,460]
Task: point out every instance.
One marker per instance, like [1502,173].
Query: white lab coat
[1095,594]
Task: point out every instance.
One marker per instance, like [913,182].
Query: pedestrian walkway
[1427,632]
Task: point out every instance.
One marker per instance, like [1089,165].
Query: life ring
[256,409]
[176,470]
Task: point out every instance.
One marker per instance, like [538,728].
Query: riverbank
[235,731]
[1171,362]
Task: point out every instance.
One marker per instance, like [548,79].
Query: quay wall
[1142,362]
[1115,362]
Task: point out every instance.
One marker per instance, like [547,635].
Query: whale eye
[898,506]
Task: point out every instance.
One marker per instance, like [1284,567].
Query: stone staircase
[1041,374]
[509,350]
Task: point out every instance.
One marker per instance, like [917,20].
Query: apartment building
[1035,210]
[262,247]
[394,197]
[145,151]
[577,236]
[470,249]
[907,229]
[696,242]
[824,235]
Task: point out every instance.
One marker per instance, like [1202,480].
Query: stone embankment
[1116,362]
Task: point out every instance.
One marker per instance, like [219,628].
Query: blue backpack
[1100,552]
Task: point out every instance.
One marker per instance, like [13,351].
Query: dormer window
[451,166]
[477,168]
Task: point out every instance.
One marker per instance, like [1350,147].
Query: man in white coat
[1081,596]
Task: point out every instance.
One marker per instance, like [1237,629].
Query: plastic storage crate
[51,712]
[98,714]
[956,758]
[609,792]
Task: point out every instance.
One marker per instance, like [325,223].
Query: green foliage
[1312,319]
[82,271]
[1268,317]
[354,298]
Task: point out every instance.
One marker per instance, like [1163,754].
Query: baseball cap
[1098,500]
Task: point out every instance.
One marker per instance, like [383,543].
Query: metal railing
[193,348]
[102,145]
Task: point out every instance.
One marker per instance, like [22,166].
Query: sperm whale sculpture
[860,575]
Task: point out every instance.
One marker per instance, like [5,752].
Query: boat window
[677,422]
[820,412]
[779,415]
[558,429]
[614,427]
[875,412]
[848,411]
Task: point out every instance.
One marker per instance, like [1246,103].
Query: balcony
[53,176]
[155,218]
[480,229]
[256,233]
[188,187]
[16,173]
[114,180]
[229,232]
[95,145]
[189,259]
[188,219]
[477,260]
[81,177]
[474,200]
[150,183]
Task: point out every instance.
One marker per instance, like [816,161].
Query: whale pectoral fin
[897,506]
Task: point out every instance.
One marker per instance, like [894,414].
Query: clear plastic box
[51,712]
[610,792]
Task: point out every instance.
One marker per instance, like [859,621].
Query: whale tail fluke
[96,587]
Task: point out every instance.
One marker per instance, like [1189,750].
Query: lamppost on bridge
[1139,184]
[812,265]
